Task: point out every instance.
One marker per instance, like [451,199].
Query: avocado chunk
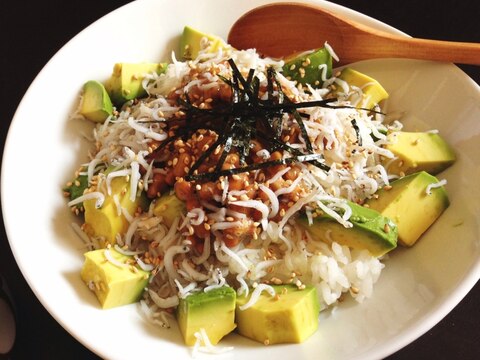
[106,222]
[214,311]
[289,317]
[371,230]
[169,207]
[191,39]
[419,151]
[96,104]
[407,203]
[125,83]
[373,92]
[114,284]
[76,188]
[309,68]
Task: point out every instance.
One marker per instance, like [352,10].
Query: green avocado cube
[371,230]
[408,203]
[213,311]
[309,68]
[96,104]
[76,188]
[190,43]
[418,151]
[106,221]
[289,317]
[373,92]
[125,83]
[114,284]
[169,207]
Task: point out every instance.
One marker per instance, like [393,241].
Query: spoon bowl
[281,29]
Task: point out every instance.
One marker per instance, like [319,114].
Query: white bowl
[416,290]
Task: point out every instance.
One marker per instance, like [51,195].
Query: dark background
[31,32]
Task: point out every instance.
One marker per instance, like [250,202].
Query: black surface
[32,32]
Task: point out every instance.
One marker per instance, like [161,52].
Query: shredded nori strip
[357,132]
[252,167]
[245,118]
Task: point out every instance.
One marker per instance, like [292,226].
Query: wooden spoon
[281,29]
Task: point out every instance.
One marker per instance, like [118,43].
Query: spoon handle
[386,45]
[351,40]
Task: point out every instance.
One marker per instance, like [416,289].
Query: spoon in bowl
[281,29]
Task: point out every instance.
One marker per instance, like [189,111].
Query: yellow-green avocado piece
[309,68]
[373,92]
[190,43]
[214,311]
[418,151]
[289,317]
[105,222]
[96,104]
[169,207]
[371,230]
[409,206]
[125,83]
[114,285]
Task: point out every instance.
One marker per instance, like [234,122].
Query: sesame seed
[301,72]
[276,281]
